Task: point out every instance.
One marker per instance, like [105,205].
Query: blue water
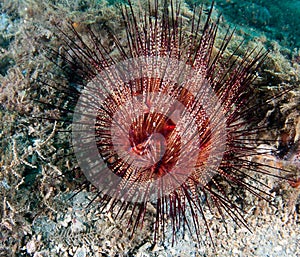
[278,19]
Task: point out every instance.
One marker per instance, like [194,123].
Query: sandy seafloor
[37,216]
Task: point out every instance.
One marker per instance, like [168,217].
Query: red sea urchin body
[151,128]
[166,117]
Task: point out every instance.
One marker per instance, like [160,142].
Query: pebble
[31,247]
[41,254]
[80,252]
[77,226]
[142,250]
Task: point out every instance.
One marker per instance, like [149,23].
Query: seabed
[38,217]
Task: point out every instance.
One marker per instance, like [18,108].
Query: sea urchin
[166,117]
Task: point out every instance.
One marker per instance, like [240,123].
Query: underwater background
[38,217]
